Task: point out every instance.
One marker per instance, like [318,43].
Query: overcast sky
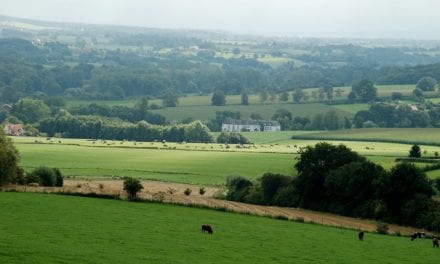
[310,18]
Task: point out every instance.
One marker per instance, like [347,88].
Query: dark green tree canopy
[31,110]
[9,159]
[218,98]
[364,91]
[244,98]
[313,166]
[426,83]
[170,99]
[132,186]
[415,152]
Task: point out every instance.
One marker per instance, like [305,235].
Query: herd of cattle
[415,235]
[361,234]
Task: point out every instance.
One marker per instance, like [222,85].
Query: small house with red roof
[14,130]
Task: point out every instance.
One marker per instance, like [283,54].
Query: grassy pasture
[266,110]
[197,167]
[427,136]
[43,228]
[208,164]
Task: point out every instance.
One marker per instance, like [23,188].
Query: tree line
[336,179]
[94,127]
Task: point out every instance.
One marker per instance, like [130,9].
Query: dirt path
[154,190]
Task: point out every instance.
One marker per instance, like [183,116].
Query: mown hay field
[47,228]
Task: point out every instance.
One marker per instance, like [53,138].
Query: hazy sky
[317,18]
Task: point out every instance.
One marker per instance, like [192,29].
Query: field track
[155,190]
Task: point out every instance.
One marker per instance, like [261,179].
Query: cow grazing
[207,228]
[435,242]
[361,235]
[417,235]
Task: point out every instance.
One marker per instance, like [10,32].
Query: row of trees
[96,128]
[337,180]
[398,115]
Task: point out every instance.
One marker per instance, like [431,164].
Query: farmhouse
[234,125]
[14,130]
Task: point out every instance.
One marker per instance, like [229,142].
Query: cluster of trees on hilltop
[94,127]
[335,179]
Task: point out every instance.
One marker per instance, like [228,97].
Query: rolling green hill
[44,228]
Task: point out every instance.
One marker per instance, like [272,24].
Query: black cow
[361,235]
[207,228]
[417,235]
[435,242]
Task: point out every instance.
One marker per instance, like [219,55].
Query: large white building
[234,125]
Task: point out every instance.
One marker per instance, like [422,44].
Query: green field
[198,167]
[208,164]
[408,135]
[44,228]
[265,110]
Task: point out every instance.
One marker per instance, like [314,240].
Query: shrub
[382,228]
[415,152]
[202,190]
[187,191]
[59,181]
[132,186]
[46,176]
[232,138]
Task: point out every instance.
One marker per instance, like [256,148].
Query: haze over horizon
[307,18]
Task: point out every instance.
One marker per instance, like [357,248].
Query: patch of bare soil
[174,193]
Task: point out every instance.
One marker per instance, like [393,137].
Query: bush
[202,190]
[132,186]
[187,191]
[382,228]
[232,138]
[238,188]
[46,176]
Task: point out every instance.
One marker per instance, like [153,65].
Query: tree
[298,94]
[396,96]
[170,99]
[30,110]
[313,167]
[365,91]
[270,184]
[263,96]
[406,192]
[47,176]
[9,159]
[284,97]
[284,117]
[418,92]
[426,84]
[415,152]
[218,98]
[197,132]
[238,187]
[232,138]
[132,186]
[332,120]
[352,189]
[244,98]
